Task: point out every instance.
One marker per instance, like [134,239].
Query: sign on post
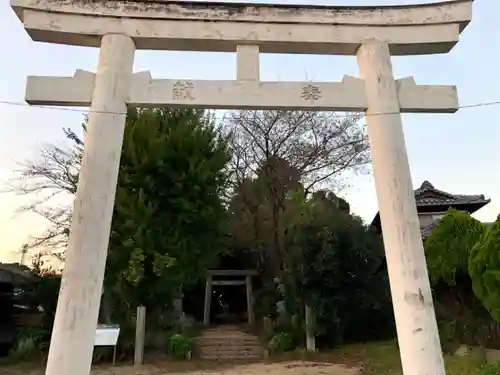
[107,335]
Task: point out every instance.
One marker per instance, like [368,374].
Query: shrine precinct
[372,34]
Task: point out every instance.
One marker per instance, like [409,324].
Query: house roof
[427,195]
[430,199]
[17,274]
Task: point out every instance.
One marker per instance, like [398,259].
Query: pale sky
[458,152]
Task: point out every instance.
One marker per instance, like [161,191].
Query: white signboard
[107,335]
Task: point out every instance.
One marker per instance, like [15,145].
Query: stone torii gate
[372,34]
[234,275]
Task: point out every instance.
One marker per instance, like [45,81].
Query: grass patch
[382,358]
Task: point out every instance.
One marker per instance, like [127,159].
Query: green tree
[484,269]
[168,208]
[449,246]
[168,212]
[338,268]
[276,152]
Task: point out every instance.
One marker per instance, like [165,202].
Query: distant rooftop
[17,274]
[430,199]
[427,195]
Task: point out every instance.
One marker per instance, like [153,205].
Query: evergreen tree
[484,269]
[168,209]
[337,267]
[449,245]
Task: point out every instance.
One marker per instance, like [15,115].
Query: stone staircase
[228,343]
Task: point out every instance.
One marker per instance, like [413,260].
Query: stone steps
[228,344]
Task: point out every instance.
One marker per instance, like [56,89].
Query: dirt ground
[283,368]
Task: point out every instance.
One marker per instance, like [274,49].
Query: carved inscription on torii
[183,90]
[311,92]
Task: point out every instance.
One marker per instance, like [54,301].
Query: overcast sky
[458,152]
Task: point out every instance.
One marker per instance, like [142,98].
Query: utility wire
[85,111]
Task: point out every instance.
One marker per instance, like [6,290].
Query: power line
[86,111]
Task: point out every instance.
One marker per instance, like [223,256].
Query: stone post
[208,300]
[411,294]
[250,312]
[75,322]
[140,336]
[310,329]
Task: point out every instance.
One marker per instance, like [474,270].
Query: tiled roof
[428,199]
[428,195]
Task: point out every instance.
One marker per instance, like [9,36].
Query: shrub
[26,349]
[338,268]
[281,342]
[30,344]
[179,346]
[492,368]
[296,332]
[484,270]
[449,246]
[39,335]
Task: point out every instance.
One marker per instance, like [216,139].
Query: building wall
[427,218]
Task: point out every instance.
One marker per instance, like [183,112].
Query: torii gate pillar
[418,336]
[80,293]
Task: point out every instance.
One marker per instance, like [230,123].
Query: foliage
[27,348]
[257,214]
[266,298]
[41,300]
[449,245]
[168,209]
[181,160]
[126,343]
[281,342]
[278,152]
[316,248]
[45,294]
[333,254]
[294,331]
[492,368]
[465,321]
[36,334]
[461,317]
[180,346]
[484,269]
[382,358]
[168,212]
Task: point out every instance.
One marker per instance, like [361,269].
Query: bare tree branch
[51,183]
[321,145]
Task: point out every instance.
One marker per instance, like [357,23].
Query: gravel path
[285,368]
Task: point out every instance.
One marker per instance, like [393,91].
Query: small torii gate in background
[236,275]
